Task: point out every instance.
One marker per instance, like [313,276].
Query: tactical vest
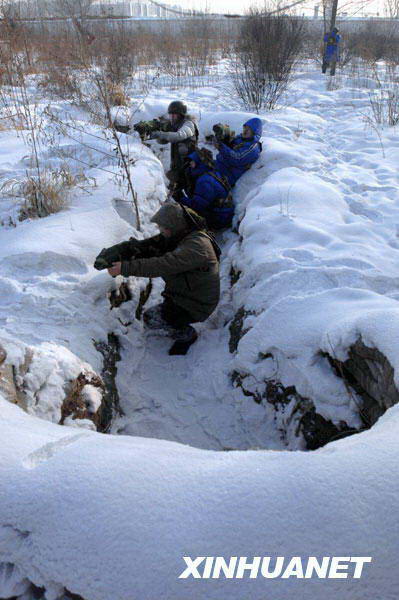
[191,142]
[196,223]
[222,202]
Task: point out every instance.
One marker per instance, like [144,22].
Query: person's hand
[115,269]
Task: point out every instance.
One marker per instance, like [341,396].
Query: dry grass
[181,50]
[13,123]
[42,195]
[117,95]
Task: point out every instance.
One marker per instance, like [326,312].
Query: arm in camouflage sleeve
[190,254]
[186,131]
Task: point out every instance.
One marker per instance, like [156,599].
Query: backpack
[222,202]
[196,223]
[217,249]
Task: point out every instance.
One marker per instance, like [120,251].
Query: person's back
[332,39]
[234,161]
[211,197]
[331,50]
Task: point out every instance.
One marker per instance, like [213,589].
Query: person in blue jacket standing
[234,160]
[331,51]
[211,197]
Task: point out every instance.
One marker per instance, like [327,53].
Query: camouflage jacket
[188,265]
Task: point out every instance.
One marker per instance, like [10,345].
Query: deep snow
[317,253]
[112,516]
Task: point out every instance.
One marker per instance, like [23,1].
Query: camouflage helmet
[178,107]
[204,156]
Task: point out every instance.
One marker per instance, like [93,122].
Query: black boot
[184,339]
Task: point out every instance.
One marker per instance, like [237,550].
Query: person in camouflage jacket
[182,134]
[185,255]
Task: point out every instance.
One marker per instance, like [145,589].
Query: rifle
[222,134]
[146,128]
[117,253]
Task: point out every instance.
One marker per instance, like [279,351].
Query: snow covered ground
[112,516]
[319,266]
[318,263]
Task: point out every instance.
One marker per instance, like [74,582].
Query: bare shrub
[114,51]
[391,8]
[384,101]
[42,195]
[376,41]
[198,38]
[384,106]
[62,82]
[117,95]
[18,106]
[266,53]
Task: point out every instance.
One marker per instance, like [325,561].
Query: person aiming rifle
[236,157]
[182,134]
[222,134]
[186,256]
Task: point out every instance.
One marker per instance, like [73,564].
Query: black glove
[119,252]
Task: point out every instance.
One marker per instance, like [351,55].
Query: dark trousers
[329,62]
[175,315]
[169,317]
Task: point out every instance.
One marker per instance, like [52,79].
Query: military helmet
[206,157]
[178,107]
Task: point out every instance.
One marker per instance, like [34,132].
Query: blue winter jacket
[211,198]
[233,162]
[332,45]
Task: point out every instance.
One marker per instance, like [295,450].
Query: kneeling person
[187,258]
[212,197]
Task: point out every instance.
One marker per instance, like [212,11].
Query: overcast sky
[240,6]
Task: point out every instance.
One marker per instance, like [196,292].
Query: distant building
[111,8]
[134,8]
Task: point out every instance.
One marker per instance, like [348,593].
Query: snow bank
[317,269]
[53,303]
[112,517]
